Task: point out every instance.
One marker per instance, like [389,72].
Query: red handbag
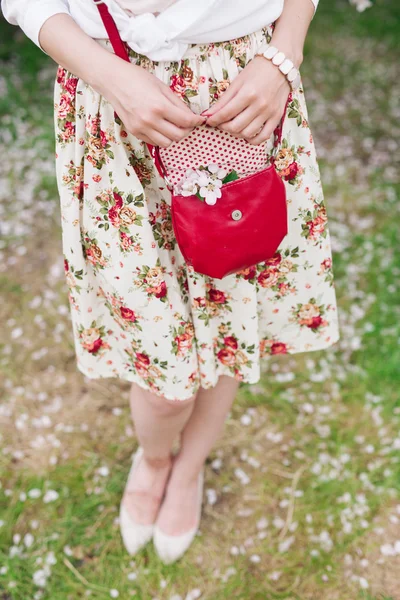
[246,225]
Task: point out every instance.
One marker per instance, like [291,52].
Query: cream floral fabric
[138,312]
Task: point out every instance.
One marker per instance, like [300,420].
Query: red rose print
[316,227]
[80,189]
[60,75]
[184,342]
[103,138]
[141,369]
[128,314]
[293,170]
[118,200]
[327,263]
[216,296]
[274,260]
[226,356]
[66,265]
[319,225]
[95,346]
[64,107]
[69,128]
[70,85]
[278,348]
[310,227]
[248,273]
[200,302]
[161,290]
[178,85]
[231,342]
[142,359]
[315,322]
[268,278]
[126,241]
[113,215]
[165,211]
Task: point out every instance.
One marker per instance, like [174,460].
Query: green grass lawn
[302,491]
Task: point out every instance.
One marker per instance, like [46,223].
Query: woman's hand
[147,107]
[253,104]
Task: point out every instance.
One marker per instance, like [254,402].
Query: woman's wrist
[283,68]
[292,51]
[106,76]
[291,29]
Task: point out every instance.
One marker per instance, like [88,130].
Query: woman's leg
[157,423]
[178,511]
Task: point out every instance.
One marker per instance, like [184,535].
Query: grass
[318,437]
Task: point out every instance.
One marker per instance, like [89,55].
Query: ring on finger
[259,131]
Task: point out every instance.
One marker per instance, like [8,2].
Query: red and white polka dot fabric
[207,145]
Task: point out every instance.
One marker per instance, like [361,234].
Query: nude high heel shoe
[171,547]
[134,535]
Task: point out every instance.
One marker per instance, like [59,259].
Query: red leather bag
[246,225]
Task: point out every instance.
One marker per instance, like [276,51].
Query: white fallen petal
[388,550]
[285,544]
[28,540]
[363,583]
[50,496]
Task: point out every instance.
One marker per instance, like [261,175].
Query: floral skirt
[139,312]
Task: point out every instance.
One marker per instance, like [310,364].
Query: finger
[232,109]
[155,138]
[254,128]
[182,118]
[182,111]
[264,134]
[145,139]
[243,121]
[225,98]
[171,131]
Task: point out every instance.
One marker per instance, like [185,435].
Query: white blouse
[161,36]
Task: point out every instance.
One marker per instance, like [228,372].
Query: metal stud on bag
[237,215]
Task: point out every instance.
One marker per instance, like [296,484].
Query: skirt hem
[132,378]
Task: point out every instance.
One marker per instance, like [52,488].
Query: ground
[302,491]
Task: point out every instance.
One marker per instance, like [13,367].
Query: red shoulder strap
[118,45]
[121,50]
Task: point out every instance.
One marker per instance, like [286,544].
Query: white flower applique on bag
[206,183]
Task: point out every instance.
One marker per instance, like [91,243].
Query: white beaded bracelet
[285,65]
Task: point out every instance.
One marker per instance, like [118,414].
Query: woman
[184,340]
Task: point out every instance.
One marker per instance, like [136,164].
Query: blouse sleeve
[30,15]
[315,2]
